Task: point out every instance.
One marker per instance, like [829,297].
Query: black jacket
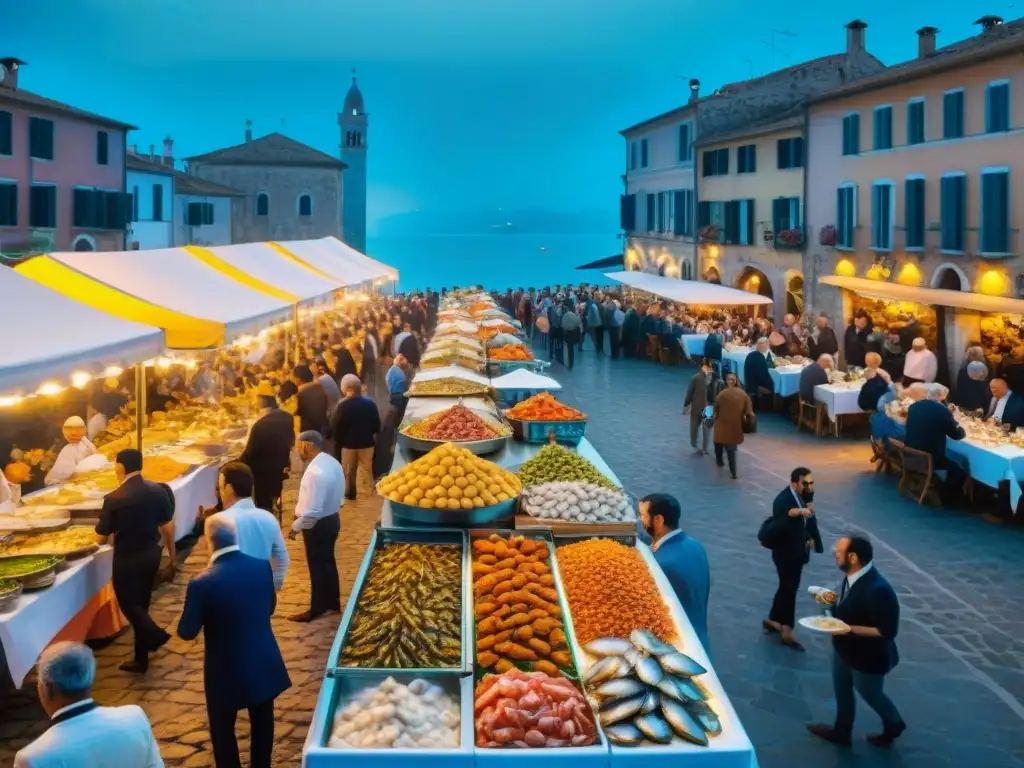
[410,347]
[134,512]
[870,602]
[827,344]
[312,407]
[793,533]
[268,450]
[969,394]
[810,377]
[755,373]
[355,424]
[713,347]
[344,364]
[872,390]
[929,423]
[857,344]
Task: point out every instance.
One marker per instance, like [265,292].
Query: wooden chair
[880,456]
[918,470]
[814,409]
[894,448]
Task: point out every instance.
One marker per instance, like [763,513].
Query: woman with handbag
[733,415]
[790,533]
[699,404]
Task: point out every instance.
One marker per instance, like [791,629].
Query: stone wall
[283,185]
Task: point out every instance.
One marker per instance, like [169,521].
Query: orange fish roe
[611,592]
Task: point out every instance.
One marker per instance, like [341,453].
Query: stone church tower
[353,123]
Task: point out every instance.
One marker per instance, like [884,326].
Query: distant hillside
[497,223]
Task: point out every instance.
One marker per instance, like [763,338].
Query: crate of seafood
[643,667]
[392,719]
[523,653]
[407,610]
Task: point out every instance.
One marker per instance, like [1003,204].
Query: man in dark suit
[929,423]
[864,655]
[822,340]
[681,557]
[232,602]
[1005,407]
[268,450]
[794,532]
[860,339]
[814,374]
[311,400]
[137,514]
[756,377]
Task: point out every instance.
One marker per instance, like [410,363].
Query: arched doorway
[712,276]
[795,295]
[754,281]
[83,243]
[948,277]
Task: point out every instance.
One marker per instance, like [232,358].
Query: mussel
[606,669]
[680,664]
[626,734]
[654,728]
[620,688]
[618,710]
[683,723]
[648,642]
[608,646]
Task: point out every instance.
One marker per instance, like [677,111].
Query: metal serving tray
[479,447]
[336,691]
[378,539]
[455,518]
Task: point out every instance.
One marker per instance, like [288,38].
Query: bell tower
[352,121]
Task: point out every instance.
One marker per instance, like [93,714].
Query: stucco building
[294,191]
[62,173]
[915,178]
[668,155]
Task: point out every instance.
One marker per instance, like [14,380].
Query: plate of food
[827,624]
[824,595]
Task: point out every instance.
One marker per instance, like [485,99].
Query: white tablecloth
[693,345]
[738,357]
[991,464]
[197,488]
[39,616]
[787,379]
[838,400]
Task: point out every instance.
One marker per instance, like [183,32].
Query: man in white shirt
[921,364]
[258,532]
[321,494]
[78,448]
[81,733]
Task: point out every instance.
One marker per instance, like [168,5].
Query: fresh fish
[651,702]
[620,688]
[605,669]
[691,690]
[648,670]
[669,690]
[620,709]
[625,734]
[654,728]
[706,716]
[683,723]
[680,664]
[608,646]
[648,643]
[633,656]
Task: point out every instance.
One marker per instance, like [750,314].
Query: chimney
[133,149]
[9,67]
[152,152]
[926,41]
[855,36]
[694,90]
[168,151]
[988,23]
[248,131]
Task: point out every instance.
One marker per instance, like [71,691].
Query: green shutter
[995,213]
[750,222]
[6,133]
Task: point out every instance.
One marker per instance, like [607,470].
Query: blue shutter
[684,142]
[782,150]
[780,214]
[750,222]
[953,115]
[913,213]
[703,213]
[643,153]
[796,152]
[627,212]
[649,224]
[997,108]
[915,122]
[6,133]
[995,224]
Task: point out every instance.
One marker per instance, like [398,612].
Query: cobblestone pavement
[960,684]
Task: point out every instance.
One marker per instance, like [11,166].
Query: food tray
[378,539]
[507,366]
[9,600]
[50,566]
[559,528]
[336,690]
[454,518]
[509,398]
[566,432]
[479,447]
[481,390]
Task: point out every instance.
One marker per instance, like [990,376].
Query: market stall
[332,257]
[690,292]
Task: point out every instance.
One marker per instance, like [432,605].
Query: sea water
[498,261]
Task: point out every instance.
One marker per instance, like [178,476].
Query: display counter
[40,615]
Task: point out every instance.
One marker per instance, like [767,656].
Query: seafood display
[647,692]
[543,407]
[531,709]
[77,538]
[458,424]
[420,715]
[409,613]
[554,463]
[515,603]
[450,477]
[450,386]
[610,591]
[577,503]
[515,352]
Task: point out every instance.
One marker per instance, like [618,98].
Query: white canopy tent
[174,279]
[330,255]
[880,289]
[268,265]
[58,336]
[688,291]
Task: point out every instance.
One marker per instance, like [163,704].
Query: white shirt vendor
[321,491]
[259,535]
[78,448]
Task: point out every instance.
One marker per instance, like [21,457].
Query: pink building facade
[62,174]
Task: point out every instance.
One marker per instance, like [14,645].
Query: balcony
[789,239]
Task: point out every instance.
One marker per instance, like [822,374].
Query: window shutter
[797,152]
[158,202]
[8,205]
[627,212]
[684,142]
[911,212]
[997,98]
[750,222]
[102,147]
[783,150]
[79,202]
[207,214]
[6,133]
[135,204]
[780,214]
[195,214]
[650,213]
[703,213]
[995,213]
[643,153]
[680,204]
[732,222]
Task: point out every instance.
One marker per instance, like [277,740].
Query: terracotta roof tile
[272,149]
[34,100]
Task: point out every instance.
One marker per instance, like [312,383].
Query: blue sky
[473,103]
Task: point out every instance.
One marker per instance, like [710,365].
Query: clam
[620,709]
[620,688]
[680,664]
[625,734]
[649,643]
[648,670]
[608,646]
[683,723]
[606,669]
[651,702]
[654,728]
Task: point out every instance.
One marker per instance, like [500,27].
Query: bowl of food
[10,593]
[540,418]
[458,424]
